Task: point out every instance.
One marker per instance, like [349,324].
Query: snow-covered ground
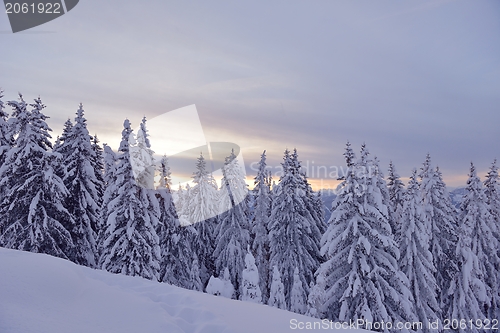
[40,293]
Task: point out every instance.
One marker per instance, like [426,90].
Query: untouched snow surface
[40,293]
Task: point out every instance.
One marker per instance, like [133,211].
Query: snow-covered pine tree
[97,162]
[6,139]
[178,259]
[250,290]
[185,213]
[349,155]
[396,196]
[236,190]
[298,298]
[416,259]
[33,216]
[260,245]
[492,196]
[290,230]
[361,271]
[317,225]
[142,157]
[83,200]
[59,146]
[232,238]
[427,183]
[277,291]
[202,214]
[131,245]
[477,228]
[444,236]
[469,296]
[110,192]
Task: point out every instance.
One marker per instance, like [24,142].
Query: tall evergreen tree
[142,158]
[110,192]
[260,245]
[131,246]
[416,259]
[477,227]
[291,239]
[317,225]
[202,214]
[236,189]
[469,295]
[97,162]
[33,216]
[444,234]
[60,146]
[396,196]
[81,182]
[6,139]
[232,238]
[361,270]
[492,196]
[179,265]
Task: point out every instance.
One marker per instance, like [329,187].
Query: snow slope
[40,293]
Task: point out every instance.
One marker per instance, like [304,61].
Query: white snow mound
[40,293]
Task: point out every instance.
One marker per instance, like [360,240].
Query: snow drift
[40,293]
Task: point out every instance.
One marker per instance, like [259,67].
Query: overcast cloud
[407,78]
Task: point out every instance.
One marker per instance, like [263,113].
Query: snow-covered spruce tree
[290,230]
[477,223]
[33,216]
[178,259]
[318,225]
[416,259]
[298,298]
[81,182]
[396,196]
[97,162]
[427,183]
[232,239]
[492,195]
[6,139]
[202,204]
[469,296]
[131,245]
[110,192]
[250,290]
[142,157]
[277,291]
[60,146]
[260,245]
[444,236]
[361,271]
[236,189]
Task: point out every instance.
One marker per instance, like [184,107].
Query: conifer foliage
[81,181]
[388,253]
[363,279]
[33,218]
[131,246]
[416,259]
[292,244]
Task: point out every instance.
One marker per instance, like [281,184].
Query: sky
[406,78]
